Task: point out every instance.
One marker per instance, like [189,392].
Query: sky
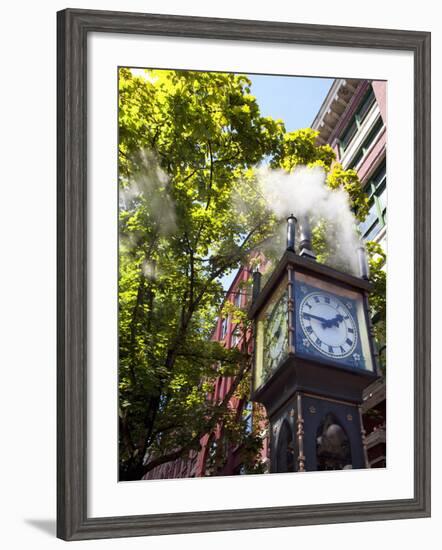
[295,100]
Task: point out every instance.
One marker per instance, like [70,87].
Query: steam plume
[304,193]
[150,184]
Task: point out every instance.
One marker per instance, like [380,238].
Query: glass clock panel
[272,335]
[330,323]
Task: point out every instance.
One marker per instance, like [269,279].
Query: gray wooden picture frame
[73,28]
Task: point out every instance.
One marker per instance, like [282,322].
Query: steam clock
[314,355]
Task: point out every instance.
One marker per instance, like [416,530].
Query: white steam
[147,189]
[150,184]
[304,193]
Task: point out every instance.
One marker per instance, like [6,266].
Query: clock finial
[256,283]
[305,241]
[364,270]
[291,231]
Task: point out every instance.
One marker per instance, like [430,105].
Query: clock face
[328,324]
[275,335]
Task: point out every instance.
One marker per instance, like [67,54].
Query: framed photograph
[243,333]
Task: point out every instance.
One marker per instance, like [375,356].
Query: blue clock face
[327,326]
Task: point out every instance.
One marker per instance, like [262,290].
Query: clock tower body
[314,355]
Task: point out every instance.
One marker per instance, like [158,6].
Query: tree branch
[208,427]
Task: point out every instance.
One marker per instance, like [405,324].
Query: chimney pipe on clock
[305,239]
[364,270]
[291,232]
[256,283]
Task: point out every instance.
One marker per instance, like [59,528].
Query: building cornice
[333,108]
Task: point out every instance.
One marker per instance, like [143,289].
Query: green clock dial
[275,334]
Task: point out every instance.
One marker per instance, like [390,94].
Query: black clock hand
[327,323]
[323,321]
[336,320]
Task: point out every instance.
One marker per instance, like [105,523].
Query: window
[356,120]
[347,136]
[367,143]
[376,190]
[236,337]
[247,417]
[211,457]
[223,329]
[237,300]
[365,105]
[240,470]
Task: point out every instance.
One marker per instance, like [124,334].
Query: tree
[190,213]
[186,141]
